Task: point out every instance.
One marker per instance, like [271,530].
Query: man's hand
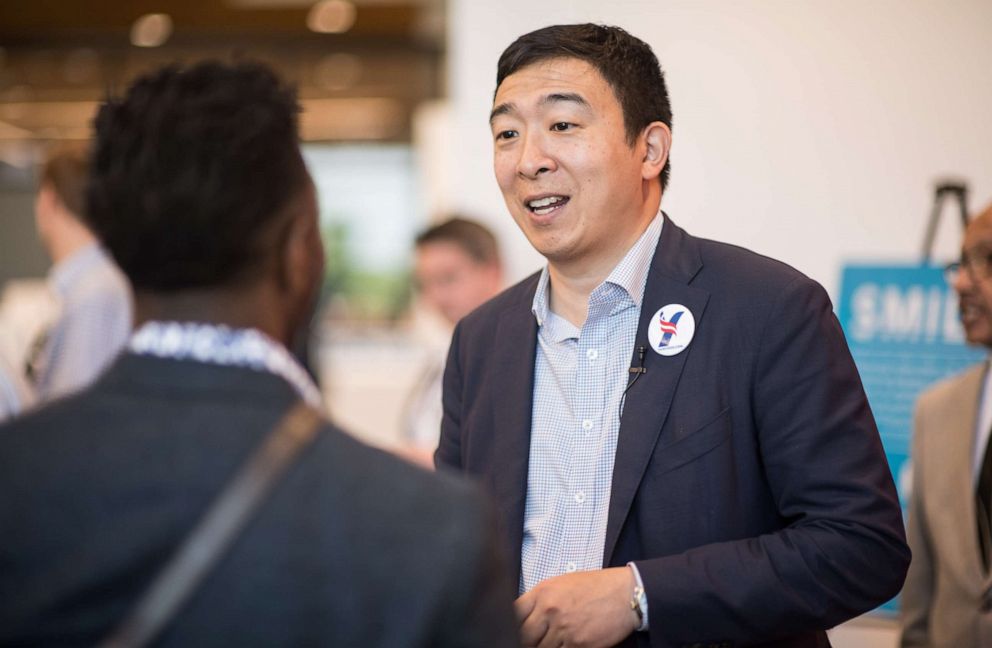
[587,609]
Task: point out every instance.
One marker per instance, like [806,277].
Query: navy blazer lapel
[513,370]
[675,263]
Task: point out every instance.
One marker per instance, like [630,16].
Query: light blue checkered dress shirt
[93,325]
[579,377]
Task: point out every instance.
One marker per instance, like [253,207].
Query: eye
[506,134]
[562,126]
[982,263]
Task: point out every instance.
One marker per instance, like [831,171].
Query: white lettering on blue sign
[895,313]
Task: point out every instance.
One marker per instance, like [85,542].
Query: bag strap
[217,530]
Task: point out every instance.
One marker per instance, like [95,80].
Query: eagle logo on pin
[671,329]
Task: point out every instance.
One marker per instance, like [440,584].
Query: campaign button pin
[671,329]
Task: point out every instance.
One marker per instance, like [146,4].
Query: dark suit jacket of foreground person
[750,486]
[353,548]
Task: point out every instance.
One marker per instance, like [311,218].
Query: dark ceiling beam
[31,20]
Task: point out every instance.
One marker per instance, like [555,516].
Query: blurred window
[369,215]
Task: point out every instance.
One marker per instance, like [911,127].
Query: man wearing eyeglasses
[947,599]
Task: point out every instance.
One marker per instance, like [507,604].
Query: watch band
[638,603]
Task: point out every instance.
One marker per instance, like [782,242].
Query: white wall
[808,131]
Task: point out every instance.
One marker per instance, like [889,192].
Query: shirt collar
[630,274]
[221,345]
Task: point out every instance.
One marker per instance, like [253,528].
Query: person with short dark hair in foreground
[194,496]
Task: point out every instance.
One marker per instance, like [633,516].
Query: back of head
[192,170]
[65,172]
[626,62]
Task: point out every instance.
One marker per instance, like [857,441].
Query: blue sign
[902,325]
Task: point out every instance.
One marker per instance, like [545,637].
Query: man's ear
[299,268]
[301,258]
[657,138]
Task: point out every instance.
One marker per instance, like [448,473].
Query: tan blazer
[946,600]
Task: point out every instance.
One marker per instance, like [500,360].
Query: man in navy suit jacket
[674,430]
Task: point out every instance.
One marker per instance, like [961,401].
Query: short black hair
[473,238]
[191,171]
[626,62]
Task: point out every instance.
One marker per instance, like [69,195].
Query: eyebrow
[571,97]
[556,97]
[502,109]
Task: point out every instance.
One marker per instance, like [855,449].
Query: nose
[963,282]
[535,158]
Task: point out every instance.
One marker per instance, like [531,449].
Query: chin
[549,244]
[979,337]
[542,247]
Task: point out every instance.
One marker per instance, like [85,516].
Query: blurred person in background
[200,192]
[947,599]
[93,298]
[15,394]
[457,267]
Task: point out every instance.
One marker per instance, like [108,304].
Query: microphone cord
[636,371]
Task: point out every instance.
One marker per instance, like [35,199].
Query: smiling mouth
[973,311]
[969,312]
[546,205]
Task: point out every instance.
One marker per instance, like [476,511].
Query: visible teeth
[969,311]
[545,202]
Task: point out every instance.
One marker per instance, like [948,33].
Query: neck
[250,306]
[569,292]
[72,237]
[572,283]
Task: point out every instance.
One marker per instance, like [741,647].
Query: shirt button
[570,567]
[580,497]
[587,424]
[592,354]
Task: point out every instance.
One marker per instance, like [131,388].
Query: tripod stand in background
[942,192]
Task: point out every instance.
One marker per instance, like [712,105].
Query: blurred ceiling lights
[361,67]
[151,30]
[331,17]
